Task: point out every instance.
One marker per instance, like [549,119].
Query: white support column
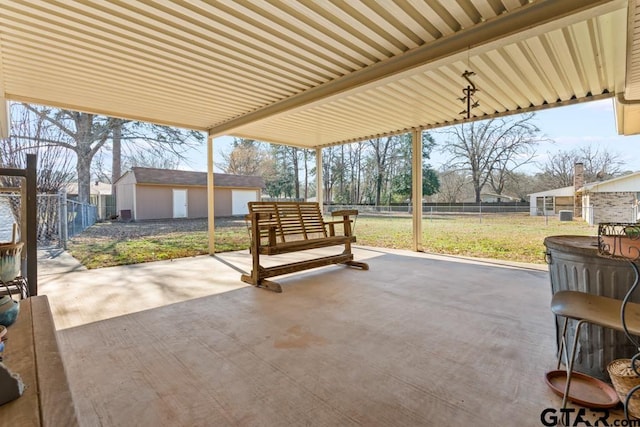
[210,197]
[4,118]
[319,186]
[416,190]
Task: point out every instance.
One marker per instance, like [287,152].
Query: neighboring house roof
[499,196]
[96,188]
[632,184]
[484,195]
[180,177]
[557,192]
[613,184]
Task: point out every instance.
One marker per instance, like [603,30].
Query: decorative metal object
[619,241]
[622,241]
[469,91]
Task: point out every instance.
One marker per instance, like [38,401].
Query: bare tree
[354,159]
[151,160]
[383,150]
[557,171]
[599,164]
[246,157]
[520,185]
[332,168]
[484,148]
[307,156]
[86,134]
[32,135]
[452,184]
[294,155]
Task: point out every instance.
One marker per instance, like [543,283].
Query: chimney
[578,183]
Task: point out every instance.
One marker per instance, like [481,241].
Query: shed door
[239,200]
[179,203]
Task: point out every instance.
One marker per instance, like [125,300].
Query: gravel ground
[120,230]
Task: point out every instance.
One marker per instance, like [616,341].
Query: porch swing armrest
[346,221]
[345,212]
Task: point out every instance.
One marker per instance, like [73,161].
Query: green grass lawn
[517,237]
[506,237]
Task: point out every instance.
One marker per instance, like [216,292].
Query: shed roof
[557,192]
[315,73]
[181,177]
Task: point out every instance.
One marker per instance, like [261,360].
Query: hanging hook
[466,75]
[468,92]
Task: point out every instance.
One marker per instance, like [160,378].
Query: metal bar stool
[589,308]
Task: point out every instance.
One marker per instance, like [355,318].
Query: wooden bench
[283,227]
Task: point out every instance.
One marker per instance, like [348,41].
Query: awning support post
[416,188]
[319,184]
[210,197]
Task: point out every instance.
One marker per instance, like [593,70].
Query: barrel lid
[577,244]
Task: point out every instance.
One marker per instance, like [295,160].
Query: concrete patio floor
[418,340]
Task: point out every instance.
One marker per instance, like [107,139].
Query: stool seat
[599,310]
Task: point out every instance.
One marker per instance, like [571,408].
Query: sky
[575,126]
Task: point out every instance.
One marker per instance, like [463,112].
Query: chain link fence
[58,218]
[439,208]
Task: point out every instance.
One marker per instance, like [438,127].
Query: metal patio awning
[312,73]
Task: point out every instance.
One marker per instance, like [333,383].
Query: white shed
[551,202]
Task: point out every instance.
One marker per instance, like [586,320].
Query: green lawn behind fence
[517,237]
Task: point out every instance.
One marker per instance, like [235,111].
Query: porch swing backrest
[293,226]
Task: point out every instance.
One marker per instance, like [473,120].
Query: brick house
[613,200]
[149,193]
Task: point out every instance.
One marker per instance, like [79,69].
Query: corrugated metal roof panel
[308,73]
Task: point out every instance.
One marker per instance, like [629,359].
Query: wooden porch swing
[283,227]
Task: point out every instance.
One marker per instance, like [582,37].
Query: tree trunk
[378,188]
[296,172]
[116,161]
[306,175]
[84,124]
[83,170]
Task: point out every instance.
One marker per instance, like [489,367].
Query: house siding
[156,202]
[148,192]
[222,202]
[125,194]
[610,207]
[197,201]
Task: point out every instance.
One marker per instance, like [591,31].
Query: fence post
[62,203]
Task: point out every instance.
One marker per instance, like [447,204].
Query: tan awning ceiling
[313,73]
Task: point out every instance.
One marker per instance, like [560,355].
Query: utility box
[566,215]
[125,215]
